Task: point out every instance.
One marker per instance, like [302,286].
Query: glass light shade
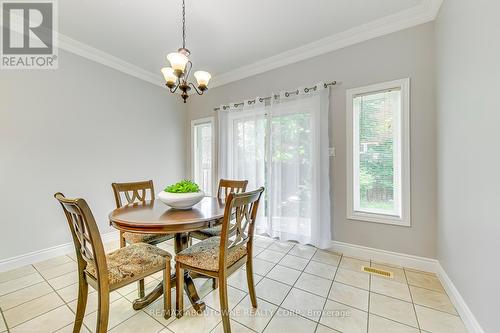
[177,60]
[202,78]
[168,74]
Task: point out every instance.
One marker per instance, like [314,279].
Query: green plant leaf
[184,186]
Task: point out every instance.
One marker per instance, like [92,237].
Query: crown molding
[86,51]
[425,12]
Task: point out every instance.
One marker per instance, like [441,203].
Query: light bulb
[178,61]
[202,78]
[169,75]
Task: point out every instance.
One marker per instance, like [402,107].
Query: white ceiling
[226,36]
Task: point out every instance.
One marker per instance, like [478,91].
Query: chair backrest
[86,236]
[133,192]
[227,186]
[242,209]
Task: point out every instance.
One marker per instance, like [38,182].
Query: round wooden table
[156,217]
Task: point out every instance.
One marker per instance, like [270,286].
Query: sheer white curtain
[284,146]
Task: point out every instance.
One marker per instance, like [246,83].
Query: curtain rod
[262,99]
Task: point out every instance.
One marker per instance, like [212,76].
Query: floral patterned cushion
[132,238]
[206,233]
[205,254]
[131,261]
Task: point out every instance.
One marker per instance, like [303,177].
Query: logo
[29,40]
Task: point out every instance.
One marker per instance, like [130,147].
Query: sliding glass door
[279,146]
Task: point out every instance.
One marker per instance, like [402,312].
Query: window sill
[379,218]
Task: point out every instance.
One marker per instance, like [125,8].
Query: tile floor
[300,289]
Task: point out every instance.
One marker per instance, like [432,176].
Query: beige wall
[468,114]
[76,130]
[408,53]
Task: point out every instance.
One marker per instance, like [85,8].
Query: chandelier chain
[183,24]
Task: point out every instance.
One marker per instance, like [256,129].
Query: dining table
[154,216]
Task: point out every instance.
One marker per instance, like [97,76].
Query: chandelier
[177,75]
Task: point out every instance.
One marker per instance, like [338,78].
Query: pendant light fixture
[177,75]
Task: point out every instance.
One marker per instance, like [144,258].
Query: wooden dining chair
[226,186]
[129,193]
[108,272]
[219,257]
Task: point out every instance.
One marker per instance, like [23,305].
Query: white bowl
[181,200]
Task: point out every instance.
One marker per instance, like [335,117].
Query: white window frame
[405,217]
[194,123]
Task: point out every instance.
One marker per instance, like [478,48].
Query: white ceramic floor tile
[3,327]
[303,251]
[378,324]
[390,288]
[31,309]
[23,295]
[140,322]
[283,247]
[284,321]
[353,264]
[314,284]
[148,287]
[262,241]
[70,293]
[156,309]
[326,257]
[303,303]
[320,269]
[48,322]
[294,262]
[256,319]
[344,318]
[69,329]
[436,321]
[256,250]
[349,295]
[324,329]
[16,273]
[55,271]
[119,311]
[424,280]
[192,321]
[272,291]
[393,309]
[19,283]
[52,262]
[234,297]
[64,280]
[235,328]
[284,274]
[270,255]
[239,279]
[432,299]
[261,267]
[356,279]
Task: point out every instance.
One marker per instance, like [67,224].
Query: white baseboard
[383,256]
[51,252]
[463,310]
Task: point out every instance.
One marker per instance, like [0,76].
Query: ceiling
[229,38]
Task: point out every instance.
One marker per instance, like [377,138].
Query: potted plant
[182,195]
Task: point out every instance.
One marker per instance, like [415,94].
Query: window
[378,153]
[202,153]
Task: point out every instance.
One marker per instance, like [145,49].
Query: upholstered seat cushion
[205,254]
[206,233]
[132,238]
[131,261]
